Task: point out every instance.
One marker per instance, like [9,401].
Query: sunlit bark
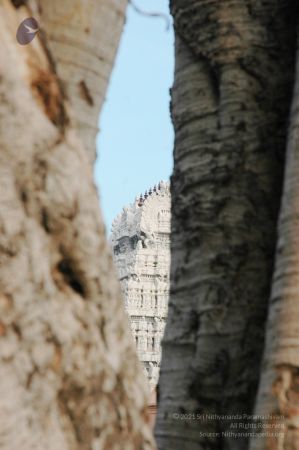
[279,386]
[69,375]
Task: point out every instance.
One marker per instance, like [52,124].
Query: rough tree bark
[83,38]
[279,385]
[69,375]
[230,102]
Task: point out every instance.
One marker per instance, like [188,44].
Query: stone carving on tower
[141,248]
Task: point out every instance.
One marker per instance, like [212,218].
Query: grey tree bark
[279,385]
[230,101]
[69,374]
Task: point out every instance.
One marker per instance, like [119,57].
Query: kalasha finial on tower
[145,194]
[155,188]
[140,202]
[150,191]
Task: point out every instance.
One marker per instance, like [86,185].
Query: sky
[135,141]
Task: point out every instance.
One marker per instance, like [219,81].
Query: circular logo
[27,31]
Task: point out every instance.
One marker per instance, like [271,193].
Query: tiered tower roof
[141,247]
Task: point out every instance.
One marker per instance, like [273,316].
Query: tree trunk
[279,386]
[230,100]
[69,375]
[83,38]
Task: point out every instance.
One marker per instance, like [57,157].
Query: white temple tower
[141,247]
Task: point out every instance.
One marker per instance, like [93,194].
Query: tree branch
[150,13]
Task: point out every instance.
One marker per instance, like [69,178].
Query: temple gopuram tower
[141,248]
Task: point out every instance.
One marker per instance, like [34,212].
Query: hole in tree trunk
[70,276]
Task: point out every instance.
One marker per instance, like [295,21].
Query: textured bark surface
[279,386]
[230,100]
[69,375]
[83,38]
